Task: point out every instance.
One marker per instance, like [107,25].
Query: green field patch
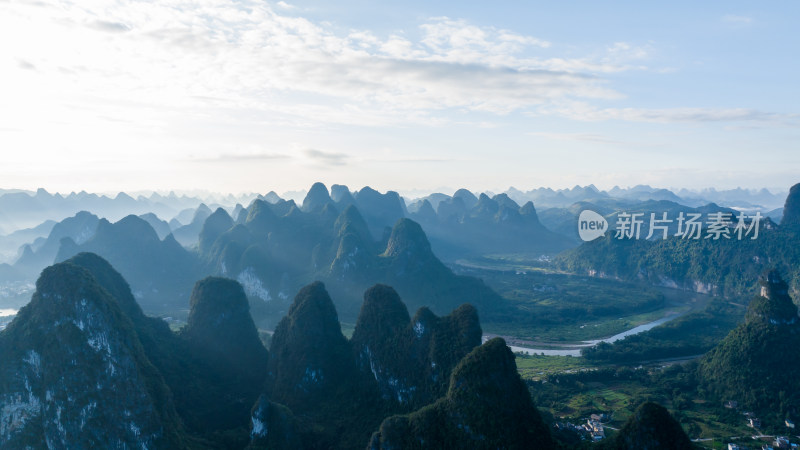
[534,367]
[551,306]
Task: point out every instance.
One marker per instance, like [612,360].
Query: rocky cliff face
[74,373]
[756,362]
[84,367]
[226,361]
[487,406]
[214,370]
[392,364]
[309,356]
[312,372]
[773,306]
[410,361]
[355,253]
[380,344]
[791,209]
[273,426]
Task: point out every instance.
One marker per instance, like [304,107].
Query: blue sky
[256,96]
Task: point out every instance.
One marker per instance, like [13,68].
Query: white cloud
[458,41]
[179,54]
[110,27]
[586,112]
[240,157]
[325,158]
[583,137]
[158,81]
[737,19]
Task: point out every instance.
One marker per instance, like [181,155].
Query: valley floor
[569,388]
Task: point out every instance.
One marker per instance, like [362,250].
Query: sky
[244,96]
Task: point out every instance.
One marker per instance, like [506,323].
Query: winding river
[695,300]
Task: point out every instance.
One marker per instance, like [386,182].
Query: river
[575,350]
[695,300]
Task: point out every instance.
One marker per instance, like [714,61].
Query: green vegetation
[74,328]
[211,394]
[692,334]
[551,306]
[279,248]
[341,390]
[486,407]
[618,392]
[404,354]
[161,273]
[535,367]
[650,426]
[756,364]
[726,267]
[347,329]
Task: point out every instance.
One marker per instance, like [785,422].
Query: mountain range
[724,266]
[274,248]
[32,213]
[214,385]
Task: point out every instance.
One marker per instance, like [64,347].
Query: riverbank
[679,303]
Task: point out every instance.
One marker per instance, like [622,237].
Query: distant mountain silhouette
[279,248]
[161,227]
[216,224]
[11,244]
[563,198]
[161,273]
[565,220]
[379,210]
[466,225]
[25,209]
[316,198]
[78,229]
[187,235]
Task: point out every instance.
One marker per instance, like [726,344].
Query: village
[773,442]
[592,429]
